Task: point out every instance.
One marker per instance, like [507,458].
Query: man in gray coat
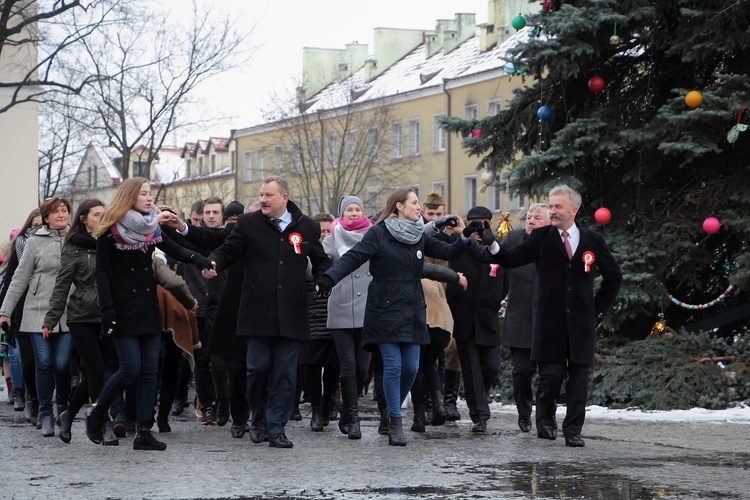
[521,287]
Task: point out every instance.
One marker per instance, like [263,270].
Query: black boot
[427,404]
[316,422]
[108,434]
[325,410]
[66,423]
[418,424]
[343,422]
[383,426]
[19,399]
[395,432]
[144,440]
[48,425]
[350,400]
[382,406]
[452,385]
[438,409]
[95,417]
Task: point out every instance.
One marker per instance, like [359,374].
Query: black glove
[488,236]
[325,285]
[446,221]
[473,227]
[108,321]
[9,337]
[201,261]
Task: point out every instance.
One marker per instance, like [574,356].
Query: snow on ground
[739,414]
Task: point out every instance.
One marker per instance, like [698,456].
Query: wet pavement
[623,459]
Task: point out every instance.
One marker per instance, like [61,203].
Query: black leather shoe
[163,426]
[66,422]
[257,432]
[279,441]
[222,414]
[120,425]
[547,430]
[574,441]
[524,424]
[296,415]
[237,430]
[479,426]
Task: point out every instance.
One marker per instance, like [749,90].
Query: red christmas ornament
[603,215]
[711,225]
[547,5]
[476,133]
[596,84]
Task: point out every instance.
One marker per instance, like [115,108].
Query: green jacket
[77,267]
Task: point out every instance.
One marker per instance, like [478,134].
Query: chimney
[321,67]
[391,44]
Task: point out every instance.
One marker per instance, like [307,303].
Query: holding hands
[208,266]
[324,285]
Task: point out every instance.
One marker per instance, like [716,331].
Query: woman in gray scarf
[395,320]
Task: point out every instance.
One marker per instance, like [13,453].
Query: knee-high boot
[350,396]
[382,405]
[452,385]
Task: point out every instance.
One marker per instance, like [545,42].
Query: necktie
[277,222]
[568,248]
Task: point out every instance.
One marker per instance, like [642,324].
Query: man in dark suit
[566,255]
[476,326]
[274,244]
[521,288]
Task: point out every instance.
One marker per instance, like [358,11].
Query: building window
[470,192]
[471,112]
[373,145]
[415,187]
[201,171]
[494,107]
[188,166]
[213,163]
[496,198]
[438,133]
[439,187]
[518,203]
[297,158]
[278,159]
[371,200]
[396,141]
[414,137]
[140,169]
[260,163]
[314,154]
[333,151]
[247,167]
[350,149]
[90,177]
[315,206]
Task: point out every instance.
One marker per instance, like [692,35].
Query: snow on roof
[416,72]
[108,155]
[219,143]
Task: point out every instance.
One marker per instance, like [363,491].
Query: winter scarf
[21,243]
[83,240]
[137,231]
[404,230]
[346,234]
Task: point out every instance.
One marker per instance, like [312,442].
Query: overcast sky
[284,27]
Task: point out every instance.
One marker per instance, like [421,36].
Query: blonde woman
[127,234]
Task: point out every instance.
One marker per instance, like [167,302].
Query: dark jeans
[28,365]
[52,368]
[93,352]
[353,360]
[400,366]
[277,357]
[139,361]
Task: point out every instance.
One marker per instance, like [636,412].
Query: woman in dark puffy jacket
[78,267]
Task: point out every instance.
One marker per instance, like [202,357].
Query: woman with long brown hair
[395,320]
[127,235]
[77,267]
[37,271]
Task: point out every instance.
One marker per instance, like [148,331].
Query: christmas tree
[641,106]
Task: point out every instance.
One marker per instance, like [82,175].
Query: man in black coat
[476,326]
[521,288]
[565,324]
[274,245]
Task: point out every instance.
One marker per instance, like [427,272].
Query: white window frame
[494,107]
[439,136]
[247,165]
[332,150]
[314,154]
[495,198]
[397,141]
[278,159]
[415,187]
[260,163]
[297,158]
[471,112]
[350,148]
[518,203]
[470,192]
[373,145]
[439,187]
[414,136]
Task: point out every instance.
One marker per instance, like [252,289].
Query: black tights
[28,365]
[427,376]
[94,353]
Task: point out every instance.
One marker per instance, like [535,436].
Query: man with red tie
[564,333]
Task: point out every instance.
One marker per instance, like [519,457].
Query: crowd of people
[124,305]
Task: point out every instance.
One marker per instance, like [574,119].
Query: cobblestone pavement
[622,459]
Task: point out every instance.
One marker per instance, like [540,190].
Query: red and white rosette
[493,270]
[295,239]
[588,259]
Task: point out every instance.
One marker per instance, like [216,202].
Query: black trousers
[551,376]
[95,353]
[523,373]
[234,392]
[28,365]
[427,380]
[480,366]
[204,383]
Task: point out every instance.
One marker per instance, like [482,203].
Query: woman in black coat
[127,234]
[395,312]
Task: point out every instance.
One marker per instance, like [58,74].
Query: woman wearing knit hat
[346,310]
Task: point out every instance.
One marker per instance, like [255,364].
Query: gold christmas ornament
[504,228]
[659,327]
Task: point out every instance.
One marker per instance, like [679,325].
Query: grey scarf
[404,230]
[137,231]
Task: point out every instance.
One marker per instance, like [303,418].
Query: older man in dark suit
[274,244]
[566,256]
[521,287]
